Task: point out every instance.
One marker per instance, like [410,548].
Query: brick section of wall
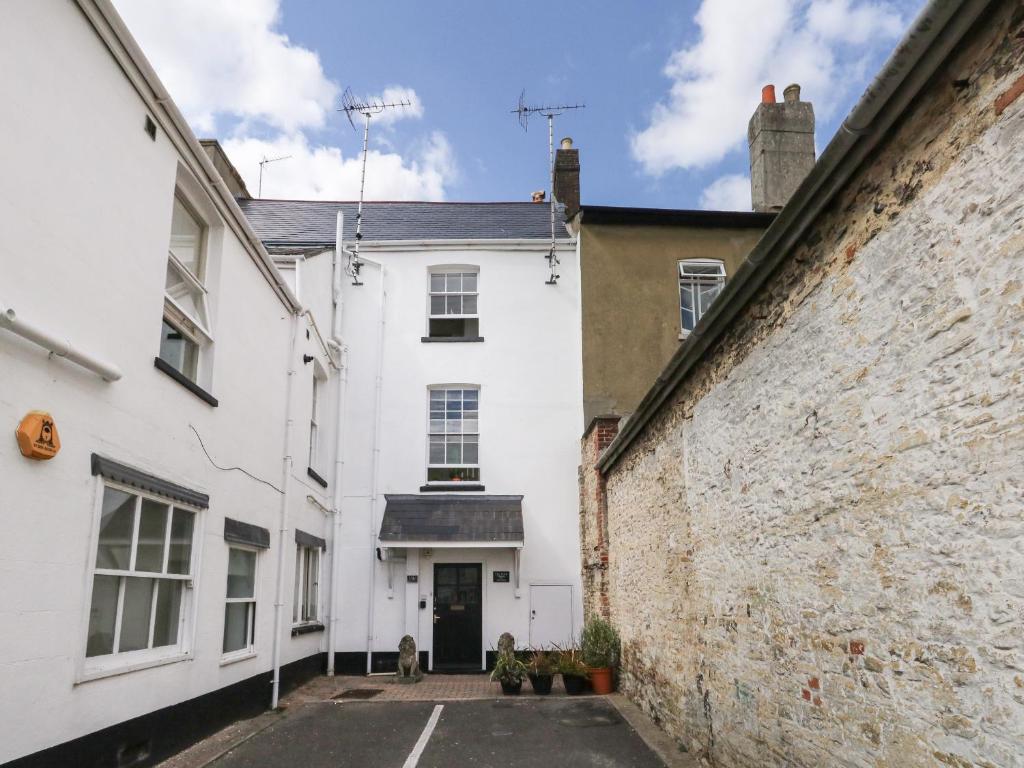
[816,549]
[593,516]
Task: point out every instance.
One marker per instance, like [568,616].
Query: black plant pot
[574,684]
[511,689]
[541,683]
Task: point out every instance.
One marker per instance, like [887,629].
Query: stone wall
[816,548]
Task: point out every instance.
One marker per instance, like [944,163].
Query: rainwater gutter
[928,42]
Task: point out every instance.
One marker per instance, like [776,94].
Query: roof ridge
[389,202]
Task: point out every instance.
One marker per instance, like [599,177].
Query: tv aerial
[264,161]
[524,110]
[351,105]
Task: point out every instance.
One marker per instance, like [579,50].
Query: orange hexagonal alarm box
[37,436]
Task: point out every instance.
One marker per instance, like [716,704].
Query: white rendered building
[463,410]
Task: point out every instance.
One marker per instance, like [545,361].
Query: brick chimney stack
[781,138]
[567,177]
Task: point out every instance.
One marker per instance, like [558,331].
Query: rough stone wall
[816,549]
[593,516]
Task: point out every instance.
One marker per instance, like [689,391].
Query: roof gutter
[928,42]
[115,35]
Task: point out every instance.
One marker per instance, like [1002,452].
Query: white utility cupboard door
[550,615]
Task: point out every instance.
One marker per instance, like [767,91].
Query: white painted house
[158,571]
[460,429]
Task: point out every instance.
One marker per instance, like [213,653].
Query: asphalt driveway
[584,732]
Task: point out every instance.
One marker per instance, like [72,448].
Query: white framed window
[454,434]
[306,606]
[142,573]
[314,420]
[453,303]
[186,326]
[700,281]
[240,603]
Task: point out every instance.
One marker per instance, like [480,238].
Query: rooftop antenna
[549,111]
[264,161]
[351,105]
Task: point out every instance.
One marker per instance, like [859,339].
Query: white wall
[85,211]
[528,371]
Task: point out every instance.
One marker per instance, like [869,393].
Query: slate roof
[452,517]
[311,223]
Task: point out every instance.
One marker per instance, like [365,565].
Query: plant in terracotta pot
[541,669]
[509,671]
[600,646]
[574,671]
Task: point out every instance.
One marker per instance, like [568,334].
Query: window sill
[306,629]
[316,477]
[451,488]
[98,673]
[186,382]
[450,339]
[225,660]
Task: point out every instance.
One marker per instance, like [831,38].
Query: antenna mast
[351,105]
[264,161]
[549,111]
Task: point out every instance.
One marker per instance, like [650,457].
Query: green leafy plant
[570,662]
[600,644]
[542,662]
[508,669]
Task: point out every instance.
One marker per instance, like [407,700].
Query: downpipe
[339,458]
[286,474]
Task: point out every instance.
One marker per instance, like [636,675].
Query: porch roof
[433,519]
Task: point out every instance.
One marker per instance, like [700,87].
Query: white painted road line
[421,744]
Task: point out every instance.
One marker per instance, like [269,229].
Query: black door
[458,616]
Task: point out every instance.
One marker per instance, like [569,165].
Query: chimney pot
[792,93]
[567,143]
[768,94]
[538,196]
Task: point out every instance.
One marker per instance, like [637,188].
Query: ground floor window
[306,608]
[240,604]
[141,577]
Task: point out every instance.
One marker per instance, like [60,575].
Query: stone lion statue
[506,644]
[408,661]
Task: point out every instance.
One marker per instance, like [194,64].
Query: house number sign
[501,577]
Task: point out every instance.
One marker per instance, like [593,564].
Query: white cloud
[233,73]
[322,173]
[728,193]
[716,82]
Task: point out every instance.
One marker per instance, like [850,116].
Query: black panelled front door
[458,616]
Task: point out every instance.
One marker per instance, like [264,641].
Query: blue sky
[669,87]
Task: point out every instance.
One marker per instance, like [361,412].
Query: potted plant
[509,671]
[574,671]
[600,647]
[541,669]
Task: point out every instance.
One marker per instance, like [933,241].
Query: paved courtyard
[490,734]
[445,720]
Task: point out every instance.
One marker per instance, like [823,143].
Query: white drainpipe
[10,320]
[339,458]
[375,479]
[282,539]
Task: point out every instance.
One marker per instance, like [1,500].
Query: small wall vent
[150,128]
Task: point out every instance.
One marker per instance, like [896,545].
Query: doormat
[359,693]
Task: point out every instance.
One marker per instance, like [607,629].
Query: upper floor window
[453,303]
[314,421]
[700,281]
[186,314]
[454,435]
[142,577]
